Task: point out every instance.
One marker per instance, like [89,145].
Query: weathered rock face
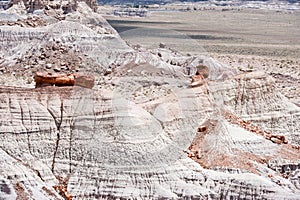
[253,97]
[116,144]
[142,132]
[29,22]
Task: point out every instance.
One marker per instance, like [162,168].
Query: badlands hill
[144,131]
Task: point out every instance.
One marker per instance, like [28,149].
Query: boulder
[201,74]
[45,79]
[197,80]
[202,70]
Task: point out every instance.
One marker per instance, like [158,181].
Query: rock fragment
[202,73]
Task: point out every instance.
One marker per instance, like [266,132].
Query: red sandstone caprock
[45,79]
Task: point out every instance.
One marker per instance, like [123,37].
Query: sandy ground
[244,39]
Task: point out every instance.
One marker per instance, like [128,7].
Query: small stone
[202,128]
[2,69]
[48,65]
[41,62]
[107,72]
[57,69]
[162,45]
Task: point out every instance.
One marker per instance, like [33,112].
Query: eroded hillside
[144,131]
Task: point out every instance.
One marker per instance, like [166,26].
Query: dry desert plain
[246,39]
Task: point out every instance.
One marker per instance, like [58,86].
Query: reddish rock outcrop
[202,70]
[45,79]
[202,73]
[197,80]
